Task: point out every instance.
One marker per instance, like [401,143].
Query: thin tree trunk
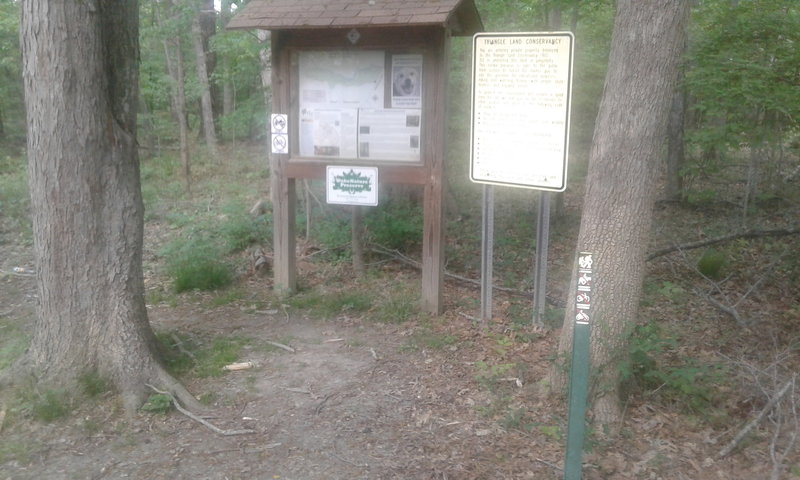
[554,14]
[265,54]
[80,64]
[174,57]
[205,90]
[227,85]
[675,150]
[149,141]
[675,134]
[227,90]
[618,204]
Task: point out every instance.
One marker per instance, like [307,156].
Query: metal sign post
[540,269]
[486,253]
[579,372]
[519,136]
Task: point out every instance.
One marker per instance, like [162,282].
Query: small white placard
[279,123]
[352,185]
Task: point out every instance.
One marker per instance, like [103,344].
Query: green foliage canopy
[744,75]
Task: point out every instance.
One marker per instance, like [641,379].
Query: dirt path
[347,404]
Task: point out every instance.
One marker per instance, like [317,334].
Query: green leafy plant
[711,263]
[686,381]
[395,224]
[14,198]
[238,230]
[333,233]
[427,338]
[186,355]
[328,304]
[489,376]
[13,341]
[194,264]
[48,405]
[398,308]
[157,403]
[93,385]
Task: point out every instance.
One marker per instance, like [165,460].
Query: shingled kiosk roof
[460,16]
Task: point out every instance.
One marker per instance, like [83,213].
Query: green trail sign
[579,373]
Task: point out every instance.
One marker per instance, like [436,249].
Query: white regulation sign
[521,93]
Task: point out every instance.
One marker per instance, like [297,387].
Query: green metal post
[579,370]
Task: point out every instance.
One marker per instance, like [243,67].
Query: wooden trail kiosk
[360,83]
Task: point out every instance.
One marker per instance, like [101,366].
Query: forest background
[720,312]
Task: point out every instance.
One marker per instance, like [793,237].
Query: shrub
[711,263]
[195,264]
[395,224]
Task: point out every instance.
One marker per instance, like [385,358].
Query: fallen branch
[411,262]
[548,464]
[341,459]
[730,310]
[280,345]
[780,232]
[179,344]
[22,273]
[194,417]
[322,403]
[752,424]
[298,390]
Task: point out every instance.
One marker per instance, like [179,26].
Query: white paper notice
[333,86]
[328,133]
[407,81]
[389,134]
[520,109]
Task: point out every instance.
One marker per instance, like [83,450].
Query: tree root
[194,417]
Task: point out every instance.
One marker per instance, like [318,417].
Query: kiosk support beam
[433,224]
[282,188]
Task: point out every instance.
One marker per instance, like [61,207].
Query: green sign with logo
[352,185]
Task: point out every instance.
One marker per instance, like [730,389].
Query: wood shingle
[460,16]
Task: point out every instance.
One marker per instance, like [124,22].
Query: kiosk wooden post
[282,187]
[400,31]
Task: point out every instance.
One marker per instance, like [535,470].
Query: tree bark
[675,150]
[207,108]
[265,54]
[173,55]
[227,85]
[620,193]
[80,67]
[676,124]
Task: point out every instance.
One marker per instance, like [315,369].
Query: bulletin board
[363,105]
[359,85]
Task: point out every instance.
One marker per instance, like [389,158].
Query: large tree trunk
[80,64]
[623,167]
[205,89]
